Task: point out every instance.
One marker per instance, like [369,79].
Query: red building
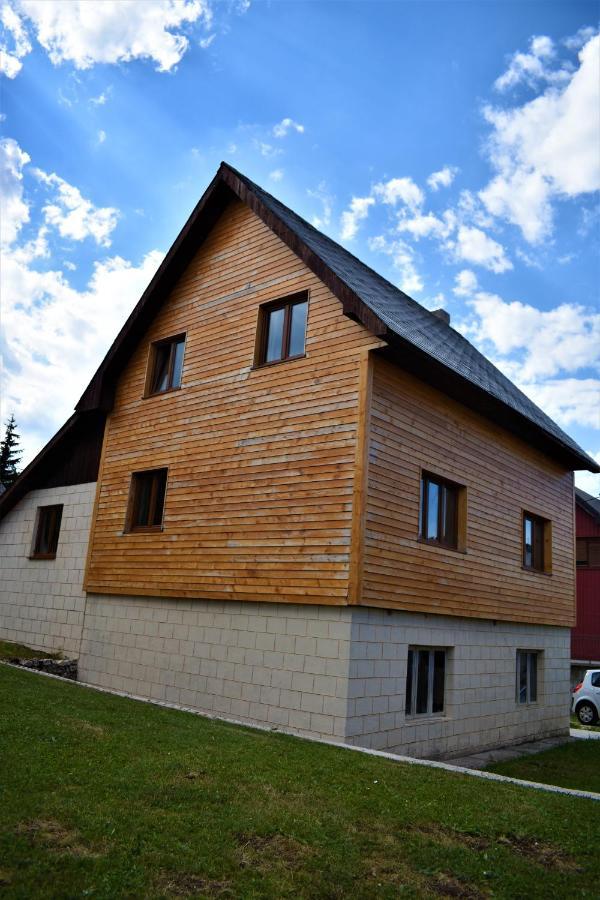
[585,637]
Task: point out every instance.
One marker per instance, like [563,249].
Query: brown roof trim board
[417,340]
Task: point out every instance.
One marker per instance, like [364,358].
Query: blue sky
[453,146]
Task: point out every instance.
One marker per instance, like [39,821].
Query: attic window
[537,543]
[47,530]
[282,330]
[165,365]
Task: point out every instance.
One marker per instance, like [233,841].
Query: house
[585,636]
[292,496]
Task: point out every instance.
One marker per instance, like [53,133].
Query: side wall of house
[480,704]
[260,459]
[415,428]
[41,601]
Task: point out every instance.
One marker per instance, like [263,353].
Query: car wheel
[587,714]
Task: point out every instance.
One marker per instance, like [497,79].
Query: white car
[586,698]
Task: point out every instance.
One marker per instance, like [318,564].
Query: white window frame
[535,656]
[412,713]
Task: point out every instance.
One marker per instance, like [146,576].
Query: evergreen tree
[9,454]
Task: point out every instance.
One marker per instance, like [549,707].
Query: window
[536,543]
[147,500]
[527,676]
[588,553]
[47,529]
[165,365]
[440,519]
[282,330]
[596,679]
[425,677]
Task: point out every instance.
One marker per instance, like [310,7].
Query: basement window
[46,532]
[537,543]
[281,332]
[147,500]
[165,365]
[527,676]
[425,681]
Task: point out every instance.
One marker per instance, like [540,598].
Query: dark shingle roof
[412,322]
[590,504]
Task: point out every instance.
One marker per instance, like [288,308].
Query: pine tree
[9,454]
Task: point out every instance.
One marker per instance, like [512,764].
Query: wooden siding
[261,461]
[415,427]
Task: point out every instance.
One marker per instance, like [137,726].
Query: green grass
[104,797]
[575,765]
[10,651]
[575,723]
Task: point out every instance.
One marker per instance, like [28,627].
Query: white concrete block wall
[335,672]
[41,601]
[480,696]
[280,664]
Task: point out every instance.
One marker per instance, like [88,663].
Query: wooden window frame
[155,346]
[545,566]
[585,564]
[55,509]
[133,502]
[460,515]
[262,330]
[530,654]
[411,712]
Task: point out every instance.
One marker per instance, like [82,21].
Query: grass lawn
[575,723]
[10,651]
[574,765]
[104,797]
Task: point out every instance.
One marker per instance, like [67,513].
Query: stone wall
[41,601]
[332,672]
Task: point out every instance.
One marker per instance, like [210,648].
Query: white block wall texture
[335,672]
[41,601]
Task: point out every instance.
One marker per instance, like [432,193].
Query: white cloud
[533,67]
[14,211]
[443,178]
[75,217]
[101,136]
[475,246]
[85,33]
[101,99]
[425,225]
[207,41]
[400,190]
[359,209]
[546,148]
[540,343]
[55,336]
[403,259]
[10,57]
[581,37]
[286,125]
[276,175]
[465,283]
[266,150]
[322,194]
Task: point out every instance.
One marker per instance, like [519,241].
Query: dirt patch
[549,856]
[84,725]
[266,852]
[444,885]
[449,837]
[5,878]
[182,884]
[56,837]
